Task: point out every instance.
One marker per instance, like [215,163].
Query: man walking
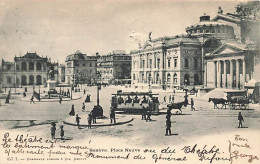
[31,100]
[89,120]
[240,119]
[168,126]
[83,107]
[77,120]
[53,129]
[192,104]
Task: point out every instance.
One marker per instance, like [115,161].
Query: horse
[176,106]
[217,101]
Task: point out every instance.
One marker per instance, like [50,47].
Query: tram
[135,102]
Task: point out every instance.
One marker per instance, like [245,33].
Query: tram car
[135,102]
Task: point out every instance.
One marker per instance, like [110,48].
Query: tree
[248,9]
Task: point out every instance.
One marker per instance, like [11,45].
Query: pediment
[227,49]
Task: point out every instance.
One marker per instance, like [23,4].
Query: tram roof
[135,93]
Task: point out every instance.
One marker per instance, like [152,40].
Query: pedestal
[51,85]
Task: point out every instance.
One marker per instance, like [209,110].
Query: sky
[57,28]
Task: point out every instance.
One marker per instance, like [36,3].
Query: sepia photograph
[117,81]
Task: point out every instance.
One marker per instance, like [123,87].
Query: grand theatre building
[215,53]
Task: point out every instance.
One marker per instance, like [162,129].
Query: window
[158,63]
[90,65]
[175,63]
[150,61]
[9,80]
[31,66]
[133,76]
[213,31]
[143,64]
[39,66]
[17,67]
[24,66]
[83,64]
[9,67]
[175,79]
[169,63]
[169,78]
[186,63]
[218,31]
[155,62]
[206,31]
[195,63]
[68,64]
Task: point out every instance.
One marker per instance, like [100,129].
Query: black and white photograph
[129,81]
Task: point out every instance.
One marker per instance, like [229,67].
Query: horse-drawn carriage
[237,99]
[234,99]
[135,102]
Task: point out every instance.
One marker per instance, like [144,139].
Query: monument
[51,83]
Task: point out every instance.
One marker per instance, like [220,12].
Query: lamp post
[149,82]
[98,87]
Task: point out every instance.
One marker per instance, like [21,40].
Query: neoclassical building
[30,69]
[167,62]
[214,53]
[80,68]
[114,67]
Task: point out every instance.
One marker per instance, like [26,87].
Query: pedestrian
[77,120]
[149,113]
[84,91]
[168,126]
[89,120]
[112,116]
[173,91]
[240,119]
[94,117]
[61,132]
[192,104]
[144,113]
[31,100]
[53,129]
[72,111]
[83,107]
[24,94]
[172,99]
[60,99]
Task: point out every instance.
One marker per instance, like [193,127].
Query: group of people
[146,114]
[53,131]
[92,116]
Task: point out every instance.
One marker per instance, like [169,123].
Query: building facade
[168,62]
[211,54]
[80,69]
[30,69]
[114,68]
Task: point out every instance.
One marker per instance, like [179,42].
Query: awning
[250,91]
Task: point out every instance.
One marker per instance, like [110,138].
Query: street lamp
[149,82]
[98,87]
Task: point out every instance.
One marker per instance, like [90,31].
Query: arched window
[38,80]
[157,78]
[24,80]
[31,66]
[169,78]
[175,78]
[31,80]
[39,66]
[186,79]
[24,66]
[196,79]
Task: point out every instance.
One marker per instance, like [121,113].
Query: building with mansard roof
[30,69]
[80,68]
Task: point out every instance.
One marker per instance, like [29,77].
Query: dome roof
[76,56]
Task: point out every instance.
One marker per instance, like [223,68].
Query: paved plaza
[130,129]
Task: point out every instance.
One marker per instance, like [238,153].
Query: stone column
[237,74]
[231,73]
[219,74]
[215,73]
[225,75]
[244,73]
